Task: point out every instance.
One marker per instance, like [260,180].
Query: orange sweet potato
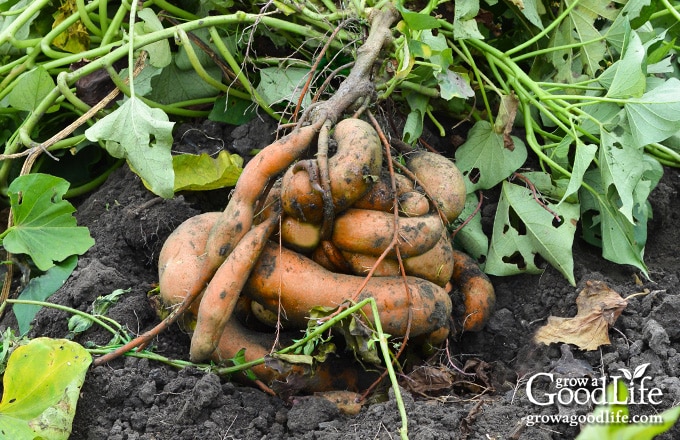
[441,179]
[370,232]
[478,293]
[351,171]
[301,284]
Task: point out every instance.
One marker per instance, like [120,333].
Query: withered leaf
[598,309]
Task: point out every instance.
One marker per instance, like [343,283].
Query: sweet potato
[442,180]
[413,204]
[300,236]
[237,218]
[476,289]
[380,197]
[351,169]
[334,374]
[181,259]
[223,290]
[370,232]
[361,264]
[435,265]
[301,284]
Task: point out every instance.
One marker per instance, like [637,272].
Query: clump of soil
[139,399]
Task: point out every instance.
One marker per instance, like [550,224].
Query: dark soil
[138,399]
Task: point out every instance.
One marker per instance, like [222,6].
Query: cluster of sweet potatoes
[301,233]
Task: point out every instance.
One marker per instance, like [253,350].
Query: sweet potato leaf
[523,229]
[43,225]
[627,77]
[655,116]
[202,172]
[583,157]
[621,166]
[471,237]
[143,136]
[31,89]
[39,289]
[41,389]
[277,85]
[484,159]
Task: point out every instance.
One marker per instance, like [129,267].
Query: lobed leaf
[143,136]
[655,116]
[484,159]
[524,229]
[43,225]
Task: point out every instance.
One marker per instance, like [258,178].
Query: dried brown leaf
[598,309]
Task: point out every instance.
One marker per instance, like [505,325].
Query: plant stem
[545,31]
[72,311]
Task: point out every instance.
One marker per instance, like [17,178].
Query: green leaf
[174,85]
[413,127]
[532,10]
[453,85]
[623,430]
[579,27]
[605,225]
[417,21]
[583,157]
[621,166]
[471,237]
[278,85]
[655,116]
[43,225]
[79,323]
[626,78]
[143,136]
[524,229]
[39,289]
[31,89]
[485,159]
[231,110]
[159,51]
[41,388]
[202,172]
[464,23]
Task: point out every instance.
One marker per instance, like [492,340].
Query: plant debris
[598,309]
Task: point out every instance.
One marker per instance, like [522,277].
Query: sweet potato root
[351,171]
[381,197]
[181,259]
[478,293]
[435,265]
[370,232]
[301,284]
[442,180]
[223,290]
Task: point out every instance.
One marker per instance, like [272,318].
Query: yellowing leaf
[202,172]
[598,309]
[75,39]
[41,388]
